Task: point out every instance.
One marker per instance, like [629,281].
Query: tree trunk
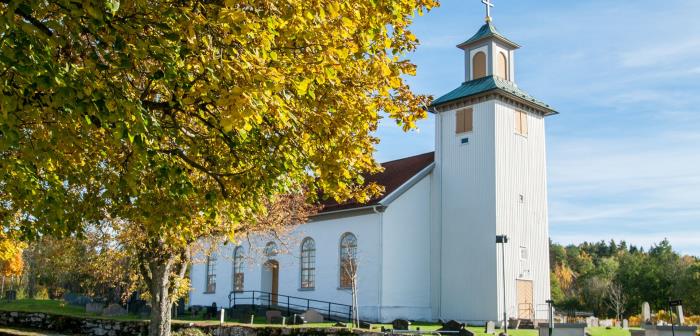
[160,298]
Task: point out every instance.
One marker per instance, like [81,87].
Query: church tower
[490,179]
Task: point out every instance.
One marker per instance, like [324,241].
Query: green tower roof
[486,31]
[487,84]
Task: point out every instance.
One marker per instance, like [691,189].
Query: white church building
[426,249]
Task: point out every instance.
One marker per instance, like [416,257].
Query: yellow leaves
[303,86]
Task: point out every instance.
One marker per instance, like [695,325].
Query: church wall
[521,170]
[406,255]
[326,234]
[467,174]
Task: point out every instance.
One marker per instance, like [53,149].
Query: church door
[526,309]
[270,282]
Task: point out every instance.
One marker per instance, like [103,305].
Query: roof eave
[547,111]
[407,185]
[467,44]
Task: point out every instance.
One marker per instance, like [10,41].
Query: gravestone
[451,325]
[592,322]
[365,325]
[490,327]
[114,310]
[271,315]
[563,329]
[651,330]
[400,324]
[625,324]
[606,323]
[312,316]
[681,318]
[646,313]
[298,319]
[454,326]
[94,308]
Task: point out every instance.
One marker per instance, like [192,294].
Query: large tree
[178,120]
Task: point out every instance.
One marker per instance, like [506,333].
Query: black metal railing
[331,311]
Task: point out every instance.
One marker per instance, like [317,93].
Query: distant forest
[613,279]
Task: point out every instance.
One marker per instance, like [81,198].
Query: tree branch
[34,21]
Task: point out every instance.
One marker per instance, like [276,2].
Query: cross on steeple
[488,9]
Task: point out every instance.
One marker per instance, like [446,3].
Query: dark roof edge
[546,110]
[384,202]
[407,185]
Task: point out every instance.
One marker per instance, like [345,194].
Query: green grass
[63,308]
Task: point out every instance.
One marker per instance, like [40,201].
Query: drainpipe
[379,210]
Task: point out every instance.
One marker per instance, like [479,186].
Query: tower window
[502,66]
[479,65]
[520,122]
[465,120]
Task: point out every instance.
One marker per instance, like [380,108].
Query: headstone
[451,325]
[592,322]
[340,325]
[114,310]
[365,325]
[312,316]
[606,323]
[646,313]
[681,318]
[490,327]
[94,308]
[563,329]
[271,315]
[625,324]
[400,324]
[454,326]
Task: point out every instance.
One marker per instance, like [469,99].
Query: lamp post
[550,316]
[503,240]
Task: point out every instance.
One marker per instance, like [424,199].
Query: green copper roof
[486,84]
[486,31]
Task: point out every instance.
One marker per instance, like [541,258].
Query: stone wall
[108,327]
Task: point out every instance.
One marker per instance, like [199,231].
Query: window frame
[210,275]
[342,284]
[307,264]
[502,60]
[238,276]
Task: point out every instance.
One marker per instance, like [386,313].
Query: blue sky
[624,154]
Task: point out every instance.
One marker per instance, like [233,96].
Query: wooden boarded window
[465,120]
[502,66]
[479,65]
[520,122]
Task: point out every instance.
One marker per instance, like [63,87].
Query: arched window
[238,269]
[308,263]
[348,260]
[502,66]
[271,249]
[479,65]
[211,274]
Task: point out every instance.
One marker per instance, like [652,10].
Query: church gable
[398,175]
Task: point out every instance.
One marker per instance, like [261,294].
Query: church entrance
[526,309]
[270,281]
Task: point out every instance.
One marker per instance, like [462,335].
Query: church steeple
[488,53]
